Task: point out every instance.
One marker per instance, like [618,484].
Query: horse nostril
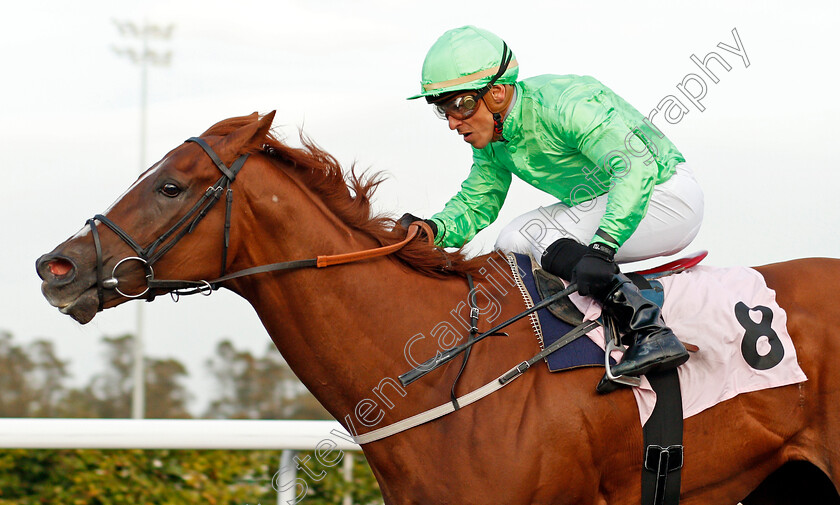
[57,267]
[60,267]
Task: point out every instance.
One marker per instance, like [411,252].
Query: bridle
[150,254]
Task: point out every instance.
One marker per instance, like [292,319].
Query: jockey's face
[477,130]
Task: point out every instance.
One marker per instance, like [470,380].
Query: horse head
[104,266]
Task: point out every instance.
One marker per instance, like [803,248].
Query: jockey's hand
[408,218]
[595,270]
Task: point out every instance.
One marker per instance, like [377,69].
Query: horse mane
[348,195]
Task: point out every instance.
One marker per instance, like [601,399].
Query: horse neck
[342,329]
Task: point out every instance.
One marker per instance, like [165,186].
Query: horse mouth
[82,308]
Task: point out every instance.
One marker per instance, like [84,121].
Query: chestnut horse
[545,439]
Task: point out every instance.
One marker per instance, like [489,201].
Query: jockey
[624,191]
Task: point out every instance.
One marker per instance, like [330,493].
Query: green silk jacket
[575,139]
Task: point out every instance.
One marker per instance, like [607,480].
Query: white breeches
[672,221]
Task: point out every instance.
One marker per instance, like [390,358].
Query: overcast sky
[763,148]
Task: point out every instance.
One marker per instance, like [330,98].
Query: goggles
[460,107]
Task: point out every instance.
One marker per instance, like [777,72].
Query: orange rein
[338,259]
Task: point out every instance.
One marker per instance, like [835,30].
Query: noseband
[148,255]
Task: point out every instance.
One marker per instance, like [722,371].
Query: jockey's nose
[453,123]
[55,269]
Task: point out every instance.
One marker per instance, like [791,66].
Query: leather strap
[473,332]
[578,331]
[97,244]
[230,172]
[663,439]
[273,267]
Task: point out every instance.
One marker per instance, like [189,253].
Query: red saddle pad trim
[677,265]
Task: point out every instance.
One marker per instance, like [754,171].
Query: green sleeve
[591,123]
[476,205]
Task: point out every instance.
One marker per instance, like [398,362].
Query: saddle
[565,310]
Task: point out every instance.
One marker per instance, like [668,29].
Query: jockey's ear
[234,143]
[498,92]
[499,97]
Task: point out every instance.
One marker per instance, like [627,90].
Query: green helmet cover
[462,59]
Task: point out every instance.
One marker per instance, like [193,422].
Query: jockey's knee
[512,240]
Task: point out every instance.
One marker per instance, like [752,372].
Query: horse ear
[248,135]
[266,121]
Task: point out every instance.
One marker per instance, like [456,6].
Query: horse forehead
[182,160]
[145,176]
[185,158]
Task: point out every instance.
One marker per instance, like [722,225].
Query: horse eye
[170,190]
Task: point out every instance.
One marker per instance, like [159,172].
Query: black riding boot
[653,347]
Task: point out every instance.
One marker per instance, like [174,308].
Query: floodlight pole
[143,58]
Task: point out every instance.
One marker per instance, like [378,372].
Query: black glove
[595,271]
[407,219]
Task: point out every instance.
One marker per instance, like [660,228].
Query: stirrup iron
[613,341]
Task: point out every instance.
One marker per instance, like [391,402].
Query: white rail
[41,433]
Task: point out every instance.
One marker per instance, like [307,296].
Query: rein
[148,255]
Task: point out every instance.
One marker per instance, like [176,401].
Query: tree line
[34,382]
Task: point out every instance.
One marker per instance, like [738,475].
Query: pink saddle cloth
[733,317]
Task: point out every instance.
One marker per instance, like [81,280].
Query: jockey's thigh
[672,221]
